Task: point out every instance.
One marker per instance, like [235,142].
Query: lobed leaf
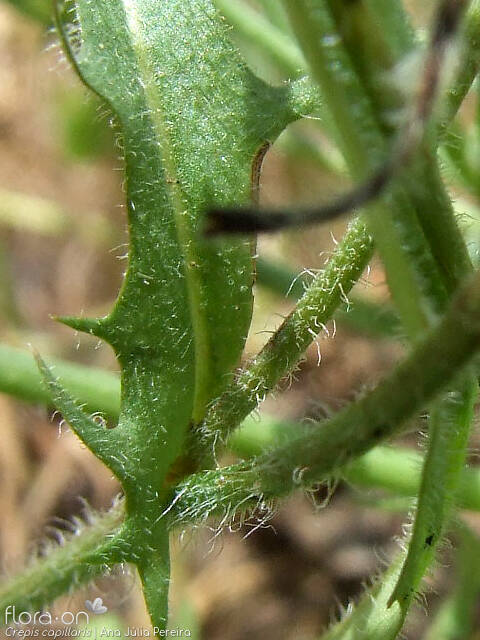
[193,118]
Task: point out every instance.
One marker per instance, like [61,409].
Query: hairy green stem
[252,383]
[300,464]
[449,431]
[396,470]
[283,351]
[99,390]
[382,467]
[424,261]
[84,556]
[380,414]
[154,571]
[371,55]
[374,319]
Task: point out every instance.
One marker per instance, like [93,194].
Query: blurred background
[62,252]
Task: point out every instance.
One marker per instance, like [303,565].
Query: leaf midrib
[179,206]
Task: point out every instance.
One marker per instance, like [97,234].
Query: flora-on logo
[12,616]
[96,606]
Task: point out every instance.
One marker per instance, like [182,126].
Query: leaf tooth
[303,98]
[105,443]
[93,326]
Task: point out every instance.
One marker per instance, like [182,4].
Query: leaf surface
[192,117]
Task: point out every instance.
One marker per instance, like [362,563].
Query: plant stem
[86,554]
[383,467]
[395,470]
[99,390]
[374,319]
[424,260]
[410,266]
[467,68]
[283,351]
[275,43]
[400,472]
[362,31]
[395,25]
[449,431]
[356,128]
[436,216]
[275,13]
[411,271]
[456,618]
[154,571]
[380,414]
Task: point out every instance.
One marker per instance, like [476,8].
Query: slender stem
[437,220]
[397,470]
[299,146]
[456,617]
[275,43]
[449,431]
[374,319]
[395,24]
[275,13]
[357,127]
[97,389]
[411,271]
[154,571]
[281,279]
[467,68]
[314,456]
[412,275]
[86,554]
[370,54]
[451,417]
[411,268]
[423,261]
[283,351]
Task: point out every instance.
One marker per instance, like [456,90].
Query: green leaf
[195,123]
[94,434]
[193,118]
